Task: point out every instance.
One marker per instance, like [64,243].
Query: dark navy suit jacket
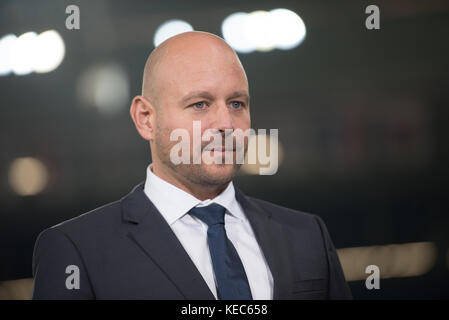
[126,250]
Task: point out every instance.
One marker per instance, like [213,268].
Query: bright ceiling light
[49,51]
[169,29]
[6,45]
[288,27]
[232,29]
[258,30]
[263,31]
[22,53]
[31,52]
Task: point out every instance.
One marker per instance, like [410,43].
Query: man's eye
[199,105]
[236,104]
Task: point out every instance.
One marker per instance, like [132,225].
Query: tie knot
[210,215]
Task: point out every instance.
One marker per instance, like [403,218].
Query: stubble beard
[197,174]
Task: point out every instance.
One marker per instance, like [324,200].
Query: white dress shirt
[174,204]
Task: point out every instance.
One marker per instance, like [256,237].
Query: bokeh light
[169,29]
[31,52]
[105,87]
[27,176]
[263,31]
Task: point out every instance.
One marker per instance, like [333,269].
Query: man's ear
[143,114]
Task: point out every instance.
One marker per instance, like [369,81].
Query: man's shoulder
[284,214]
[102,219]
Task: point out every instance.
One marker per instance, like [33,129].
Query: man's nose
[222,118]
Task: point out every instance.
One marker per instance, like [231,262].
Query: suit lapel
[268,234]
[155,237]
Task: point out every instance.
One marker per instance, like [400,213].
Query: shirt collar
[173,203]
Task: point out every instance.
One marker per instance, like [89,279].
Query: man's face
[209,87]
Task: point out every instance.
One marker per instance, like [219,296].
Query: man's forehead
[192,57]
[205,71]
[199,60]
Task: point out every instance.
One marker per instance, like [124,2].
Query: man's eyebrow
[239,94]
[209,96]
[196,94]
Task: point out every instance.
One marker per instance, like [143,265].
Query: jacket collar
[155,237]
[269,235]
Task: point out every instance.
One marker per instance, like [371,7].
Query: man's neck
[200,192]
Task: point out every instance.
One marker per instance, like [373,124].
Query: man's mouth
[219,149]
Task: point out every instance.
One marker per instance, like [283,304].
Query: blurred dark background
[362,118]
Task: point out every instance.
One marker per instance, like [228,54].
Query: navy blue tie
[228,268]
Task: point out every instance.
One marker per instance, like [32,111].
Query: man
[187,232]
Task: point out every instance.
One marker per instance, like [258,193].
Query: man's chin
[219,173]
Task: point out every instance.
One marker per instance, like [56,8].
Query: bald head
[189,52]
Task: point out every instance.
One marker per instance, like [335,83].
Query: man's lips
[219,149]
